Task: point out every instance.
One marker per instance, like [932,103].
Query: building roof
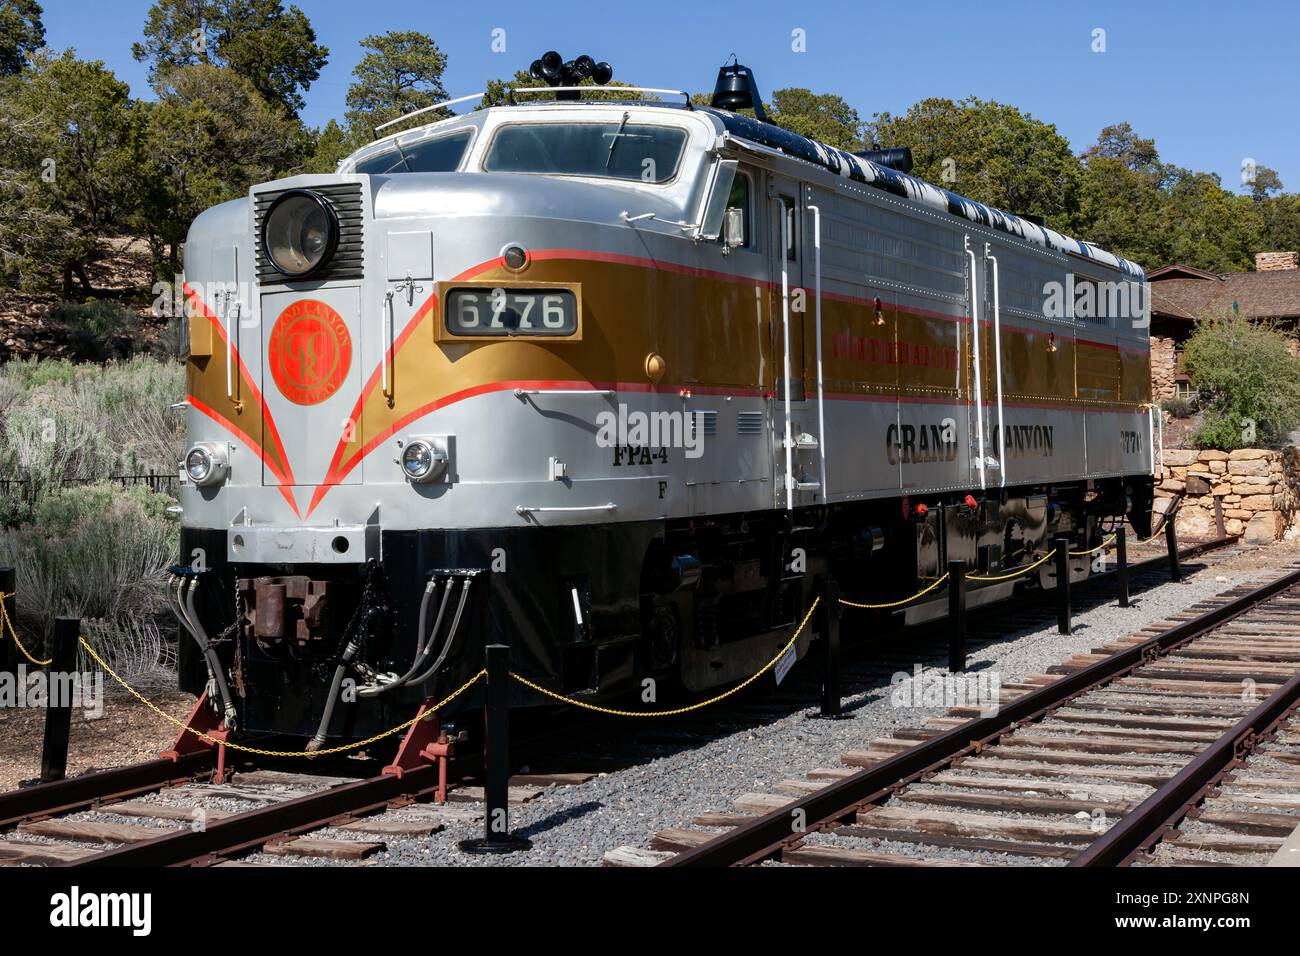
[1182,292]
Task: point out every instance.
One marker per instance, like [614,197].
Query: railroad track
[1172,746]
[164,813]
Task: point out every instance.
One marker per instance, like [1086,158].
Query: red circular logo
[310,352]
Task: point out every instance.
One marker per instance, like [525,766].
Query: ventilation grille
[749,423]
[345,198]
[704,420]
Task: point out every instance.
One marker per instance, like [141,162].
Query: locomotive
[616,382]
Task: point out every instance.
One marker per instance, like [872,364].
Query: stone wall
[1276,261]
[1164,366]
[1259,491]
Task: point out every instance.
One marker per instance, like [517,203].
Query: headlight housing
[299,233]
[206,464]
[424,460]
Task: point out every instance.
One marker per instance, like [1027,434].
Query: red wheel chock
[201,721]
[424,744]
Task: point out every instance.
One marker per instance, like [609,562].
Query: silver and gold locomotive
[613,382]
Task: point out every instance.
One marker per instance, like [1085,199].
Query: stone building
[1180,295]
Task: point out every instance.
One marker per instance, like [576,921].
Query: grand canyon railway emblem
[310,352]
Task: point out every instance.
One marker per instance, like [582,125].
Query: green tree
[1265,183]
[330,145]
[21,34]
[1123,196]
[1253,378]
[208,138]
[401,71]
[824,117]
[274,48]
[990,152]
[1206,226]
[71,140]
[1280,222]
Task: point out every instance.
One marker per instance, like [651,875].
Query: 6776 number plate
[511,312]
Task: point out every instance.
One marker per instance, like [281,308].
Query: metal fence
[25,488]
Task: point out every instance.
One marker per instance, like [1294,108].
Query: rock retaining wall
[1258,490]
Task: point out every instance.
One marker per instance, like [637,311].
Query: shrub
[1179,407]
[1252,380]
[63,422]
[99,330]
[93,551]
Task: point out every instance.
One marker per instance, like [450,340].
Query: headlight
[423,459]
[205,464]
[299,233]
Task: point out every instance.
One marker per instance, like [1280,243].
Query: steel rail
[79,793]
[1148,822]
[769,834]
[247,831]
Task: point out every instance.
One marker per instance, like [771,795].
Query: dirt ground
[128,732]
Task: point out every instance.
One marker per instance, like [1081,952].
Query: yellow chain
[1104,544]
[1013,574]
[277,753]
[9,626]
[875,607]
[679,710]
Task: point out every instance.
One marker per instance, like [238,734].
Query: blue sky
[1212,83]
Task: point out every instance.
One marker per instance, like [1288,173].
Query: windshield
[440,154]
[618,150]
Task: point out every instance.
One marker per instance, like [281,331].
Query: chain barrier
[9,626]
[1014,574]
[613,712]
[1105,544]
[906,600]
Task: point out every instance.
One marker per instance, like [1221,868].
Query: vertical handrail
[785,331]
[383,341]
[230,350]
[975,351]
[821,382]
[997,367]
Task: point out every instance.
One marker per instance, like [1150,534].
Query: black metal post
[58,703]
[830,627]
[1171,542]
[956,616]
[1062,544]
[496,772]
[8,650]
[1121,558]
[1219,527]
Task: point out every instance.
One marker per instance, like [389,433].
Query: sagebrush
[1252,379]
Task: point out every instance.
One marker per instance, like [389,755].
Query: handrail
[384,323]
[821,385]
[521,392]
[785,333]
[428,109]
[997,367]
[536,509]
[979,384]
[530,90]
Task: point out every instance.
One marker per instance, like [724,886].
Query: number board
[508,310]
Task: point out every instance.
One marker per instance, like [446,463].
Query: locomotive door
[979,362]
[311,380]
[790,303]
